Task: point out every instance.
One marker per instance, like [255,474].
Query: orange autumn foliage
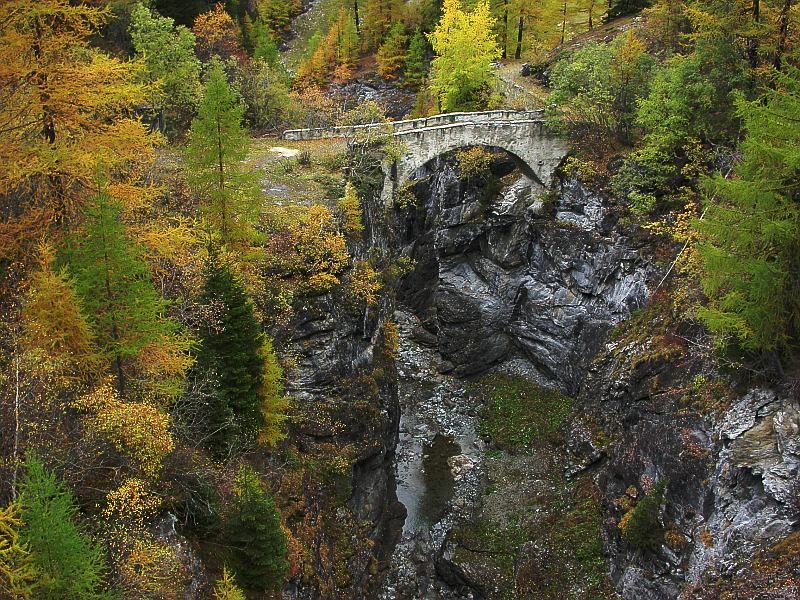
[67,111]
[56,330]
[217,35]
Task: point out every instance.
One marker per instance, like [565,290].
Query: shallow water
[425,483]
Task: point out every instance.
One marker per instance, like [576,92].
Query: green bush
[595,91]
[641,527]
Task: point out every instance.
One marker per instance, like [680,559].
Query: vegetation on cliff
[165,261]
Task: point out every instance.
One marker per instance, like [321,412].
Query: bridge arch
[522,134]
[528,141]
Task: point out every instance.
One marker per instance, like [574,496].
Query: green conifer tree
[69,565]
[265,47]
[231,353]
[416,64]
[274,401]
[392,52]
[218,145]
[255,535]
[378,17]
[115,285]
[248,34]
[750,236]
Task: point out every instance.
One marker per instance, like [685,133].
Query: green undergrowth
[640,526]
[519,414]
[546,546]
[313,176]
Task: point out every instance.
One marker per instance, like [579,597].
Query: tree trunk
[783,33]
[221,165]
[752,49]
[355,13]
[518,53]
[17,402]
[563,21]
[505,29]
[114,331]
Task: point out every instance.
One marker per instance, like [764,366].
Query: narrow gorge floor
[439,466]
[483,522]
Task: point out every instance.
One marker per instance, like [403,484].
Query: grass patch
[565,558]
[518,414]
[569,555]
[313,176]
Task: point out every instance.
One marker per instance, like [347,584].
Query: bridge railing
[412,124]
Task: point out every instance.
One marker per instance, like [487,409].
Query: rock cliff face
[344,386]
[510,277]
[729,455]
[518,279]
[532,277]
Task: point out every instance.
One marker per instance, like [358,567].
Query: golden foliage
[138,430]
[217,34]
[151,568]
[474,162]
[319,108]
[320,252]
[163,365]
[350,211]
[391,339]
[226,589]
[56,331]
[364,283]
[335,56]
[146,567]
[173,241]
[132,503]
[66,112]
[17,573]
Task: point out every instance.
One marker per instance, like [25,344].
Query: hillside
[388,299]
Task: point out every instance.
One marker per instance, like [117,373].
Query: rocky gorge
[513,280]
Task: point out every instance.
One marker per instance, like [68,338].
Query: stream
[439,466]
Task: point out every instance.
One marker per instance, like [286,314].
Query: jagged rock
[502,285]
[460,464]
[193,567]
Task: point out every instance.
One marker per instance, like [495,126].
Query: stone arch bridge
[522,134]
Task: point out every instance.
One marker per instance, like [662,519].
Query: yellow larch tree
[465,48]
[65,109]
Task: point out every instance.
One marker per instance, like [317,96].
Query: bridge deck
[408,125]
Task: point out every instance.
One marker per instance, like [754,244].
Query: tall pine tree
[118,295]
[69,565]
[215,153]
[751,232]
[254,533]
[416,64]
[231,354]
[392,53]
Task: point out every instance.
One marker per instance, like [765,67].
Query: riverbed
[439,465]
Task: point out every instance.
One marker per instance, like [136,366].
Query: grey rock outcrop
[497,279]
[733,476]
